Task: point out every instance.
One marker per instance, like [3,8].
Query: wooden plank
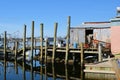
[101,64]
[99,71]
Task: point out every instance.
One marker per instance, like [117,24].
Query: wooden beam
[54,44]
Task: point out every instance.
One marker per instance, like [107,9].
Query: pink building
[115,33]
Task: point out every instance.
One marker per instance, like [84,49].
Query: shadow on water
[22,71]
[57,71]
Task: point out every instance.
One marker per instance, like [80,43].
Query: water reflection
[19,70]
[5,69]
[66,72]
[41,71]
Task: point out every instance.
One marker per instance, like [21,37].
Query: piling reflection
[53,71]
[16,66]
[66,72]
[32,70]
[41,71]
[4,69]
[24,74]
[46,72]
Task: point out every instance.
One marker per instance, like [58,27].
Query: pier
[67,54]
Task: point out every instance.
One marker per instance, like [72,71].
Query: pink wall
[115,39]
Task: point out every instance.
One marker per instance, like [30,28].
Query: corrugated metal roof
[93,26]
[104,22]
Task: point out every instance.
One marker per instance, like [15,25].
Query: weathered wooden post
[82,54]
[54,44]
[24,43]
[32,44]
[5,46]
[67,41]
[82,61]
[5,55]
[41,39]
[16,48]
[35,45]
[24,55]
[32,40]
[46,47]
[99,52]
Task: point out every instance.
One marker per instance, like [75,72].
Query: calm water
[18,70]
[40,72]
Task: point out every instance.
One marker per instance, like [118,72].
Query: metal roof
[93,26]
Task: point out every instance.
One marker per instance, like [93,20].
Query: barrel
[75,45]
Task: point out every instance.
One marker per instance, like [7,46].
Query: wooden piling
[67,41]
[16,48]
[24,43]
[5,55]
[82,61]
[82,54]
[35,45]
[99,52]
[54,44]
[41,40]
[32,40]
[46,47]
[32,44]
[24,55]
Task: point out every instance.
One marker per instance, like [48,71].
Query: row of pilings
[46,45]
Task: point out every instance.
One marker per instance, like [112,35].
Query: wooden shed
[90,31]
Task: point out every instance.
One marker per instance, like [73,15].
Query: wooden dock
[47,52]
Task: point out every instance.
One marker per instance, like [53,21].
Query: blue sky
[15,13]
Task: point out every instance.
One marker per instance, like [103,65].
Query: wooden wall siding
[77,35]
[102,34]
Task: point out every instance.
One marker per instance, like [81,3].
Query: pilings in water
[5,55]
[24,55]
[41,50]
[43,55]
[32,44]
[82,60]
[24,42]
[67,41]
[54,44]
